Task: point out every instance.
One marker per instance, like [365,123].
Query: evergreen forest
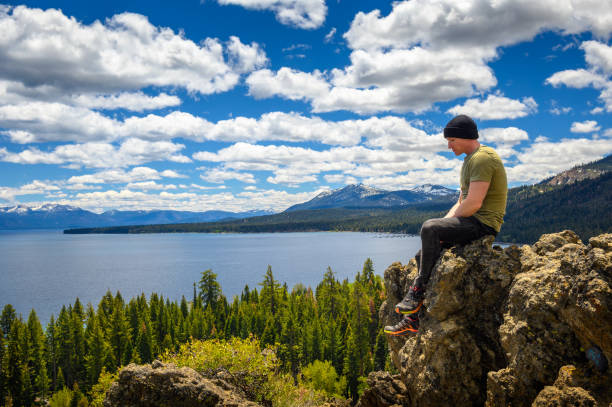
[330,332]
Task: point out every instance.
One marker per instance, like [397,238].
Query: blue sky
[261,104]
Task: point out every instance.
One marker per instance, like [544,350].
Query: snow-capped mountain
[363,196]
[433,190]
[54,216]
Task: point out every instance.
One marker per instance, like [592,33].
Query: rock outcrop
[506,327]
[165,385]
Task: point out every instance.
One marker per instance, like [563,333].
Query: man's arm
[451,212]
[477,192]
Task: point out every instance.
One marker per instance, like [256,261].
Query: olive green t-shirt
[485,165]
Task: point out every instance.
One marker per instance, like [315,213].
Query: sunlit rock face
[507,327]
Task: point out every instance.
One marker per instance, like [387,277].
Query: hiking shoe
[412,302]
[408,325]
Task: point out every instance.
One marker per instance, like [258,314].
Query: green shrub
[98,391]
[252,370]
[322,376]
[61,398]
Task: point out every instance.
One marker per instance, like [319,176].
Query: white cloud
[292,177]
[330,35]
[504,139]
[544,158]
[171,174]
[496,107]
[474,24]
[295,165]
[557,110]
[402,80]
[119,176]
[597,110]
[100,155]
[126,199]
[306,14]
[340,179]
[136,101]
[46,50]
[576,78]
[245,58]
[40,122]
[598,57]
[287,82]
[427,51]
[587,126]
[36,187]
[18,93]
[219,175]
[149,185]
[508,135]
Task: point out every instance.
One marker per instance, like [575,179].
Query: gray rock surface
[165,385]
[384,390]
[499,324]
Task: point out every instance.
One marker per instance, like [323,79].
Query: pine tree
[360,324]
[144,341]
[351,365]
[327,295]
[244,297]
[16,364]
[380,352]
[333,346]
[64,343]
[367,273]
[289,349]
[269,333]
[77,333]
[61,382]
[269,292]
[2,368]
[52,353]
[210,290]
[316,345]
[99,352]
[184,307]
[7,318]
[36,356]
[120,336]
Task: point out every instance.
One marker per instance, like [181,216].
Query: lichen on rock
[499,324]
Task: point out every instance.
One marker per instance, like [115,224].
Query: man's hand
[473,201]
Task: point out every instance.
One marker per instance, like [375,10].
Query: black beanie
[461,127]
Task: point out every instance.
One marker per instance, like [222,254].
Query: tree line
[337,323]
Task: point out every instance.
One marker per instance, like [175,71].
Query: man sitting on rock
[479,211]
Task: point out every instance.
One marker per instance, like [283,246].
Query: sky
[261,104]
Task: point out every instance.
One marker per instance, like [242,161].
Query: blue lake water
[47,269]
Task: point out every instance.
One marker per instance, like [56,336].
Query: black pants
[440,233]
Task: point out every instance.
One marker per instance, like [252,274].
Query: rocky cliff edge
[505,327]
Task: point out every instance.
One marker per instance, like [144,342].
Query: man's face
[458,145]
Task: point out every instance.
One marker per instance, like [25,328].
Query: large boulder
[499,324]
[165,385]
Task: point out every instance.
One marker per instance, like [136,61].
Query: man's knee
[429,227]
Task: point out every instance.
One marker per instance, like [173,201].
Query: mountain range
[54,216]
[363,196]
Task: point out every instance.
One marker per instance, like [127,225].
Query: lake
[47,269]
